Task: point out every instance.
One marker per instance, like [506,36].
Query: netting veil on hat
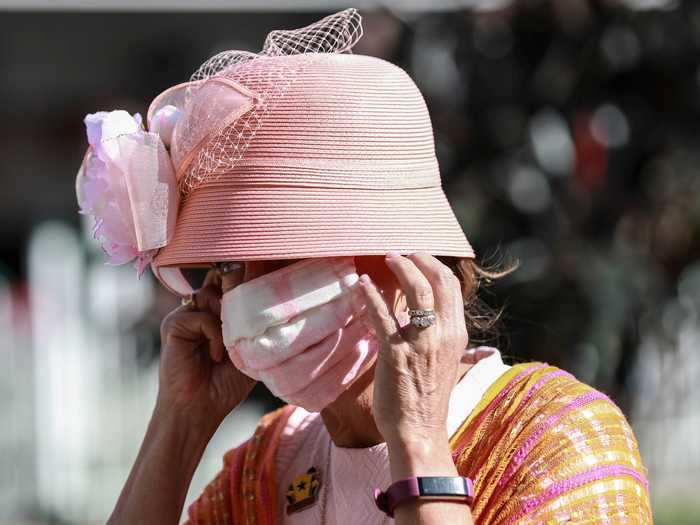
[302,150]
[231,94]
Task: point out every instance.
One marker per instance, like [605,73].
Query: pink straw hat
[303,150]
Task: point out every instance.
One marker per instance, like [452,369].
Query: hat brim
[221,222]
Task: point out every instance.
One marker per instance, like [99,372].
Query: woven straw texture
[343,164]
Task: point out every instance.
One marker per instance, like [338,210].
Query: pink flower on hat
[125,179]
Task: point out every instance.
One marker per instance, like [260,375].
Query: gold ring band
[419,313]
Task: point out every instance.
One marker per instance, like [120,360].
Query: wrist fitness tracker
[456,488]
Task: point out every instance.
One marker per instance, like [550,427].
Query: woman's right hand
[197,379]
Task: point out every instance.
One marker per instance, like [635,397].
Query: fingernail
[364,279]
[392,254]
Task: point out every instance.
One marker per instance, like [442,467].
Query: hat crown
[342,120]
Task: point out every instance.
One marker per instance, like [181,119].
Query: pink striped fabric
[578,480]
[525,449]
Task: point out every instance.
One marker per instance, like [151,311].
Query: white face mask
[296,330]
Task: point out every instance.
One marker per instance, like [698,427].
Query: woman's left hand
[416,367]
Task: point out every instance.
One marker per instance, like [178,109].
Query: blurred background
[567,133]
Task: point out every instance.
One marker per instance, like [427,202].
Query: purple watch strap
[441,487]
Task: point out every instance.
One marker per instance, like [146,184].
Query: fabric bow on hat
[127,182]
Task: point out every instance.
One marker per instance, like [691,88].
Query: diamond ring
[422,318]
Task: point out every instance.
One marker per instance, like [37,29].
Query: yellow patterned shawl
[541,448]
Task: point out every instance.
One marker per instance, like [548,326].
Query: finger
[211,328]
[419,292]
[213,277]
[196,326]
[385,324]
[444,283]
[233,276]
[208,299]
[357,300]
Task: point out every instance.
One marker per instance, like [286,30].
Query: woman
[312,191]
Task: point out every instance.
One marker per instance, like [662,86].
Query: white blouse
[355,472]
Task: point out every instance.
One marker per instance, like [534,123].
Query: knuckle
[423,293]
[203,294]
[166,333]
[168,339]
[445,276]
[167,322]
